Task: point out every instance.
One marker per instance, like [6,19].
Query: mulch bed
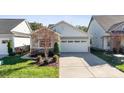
[55,64]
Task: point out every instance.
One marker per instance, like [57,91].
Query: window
[42,43]
[70,41]
[4,41]
[63,41]
[83,41]
[77,41]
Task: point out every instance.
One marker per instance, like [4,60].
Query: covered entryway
[3,46]
[74,45]
[116,32]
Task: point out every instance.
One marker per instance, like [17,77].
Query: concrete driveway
[79,65]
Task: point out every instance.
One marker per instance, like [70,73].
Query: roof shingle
[106,21]
[6,25]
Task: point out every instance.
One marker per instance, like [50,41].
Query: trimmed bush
[46,61]
[36,52]
[55,58]
[10,48]
[39,59]
[56,49]
[18,50]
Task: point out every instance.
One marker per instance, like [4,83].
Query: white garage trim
[76,45]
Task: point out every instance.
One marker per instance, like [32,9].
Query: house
[43,37]
[71,38]
[16,30]
[107,32]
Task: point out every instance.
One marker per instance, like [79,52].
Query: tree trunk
[46,53]
[46,44]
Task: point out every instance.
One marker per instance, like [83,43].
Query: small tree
[56,49]
[10,50]
[82,28]
[34,25]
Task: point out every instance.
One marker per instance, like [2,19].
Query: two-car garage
[74,45]
[72,38]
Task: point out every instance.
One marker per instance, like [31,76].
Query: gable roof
[6,25]
[64,23]
[68,25]
[44,28]
[106,21]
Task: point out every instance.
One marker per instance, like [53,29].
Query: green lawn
[108,58]
[15,67]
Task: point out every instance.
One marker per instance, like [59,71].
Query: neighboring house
[43,37]
[72,39]
[107,32]
[16,30]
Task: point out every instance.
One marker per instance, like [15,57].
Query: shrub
[18,50]
[25,48]
[42,54]
[33,53]
[50,53]
[56,49]
[39,60]
[22,50]
[10,48]
[13,54]
[36,52]
[114,50]
[55,58]
[96,49]
[46,61]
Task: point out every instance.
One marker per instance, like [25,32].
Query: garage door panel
[19,41]
[75,46]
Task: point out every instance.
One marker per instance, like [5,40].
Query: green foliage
[39,59]
[108,58]
[15,67]
[55,58]
[56,49]
[35,26]
[10,48]
[82,28]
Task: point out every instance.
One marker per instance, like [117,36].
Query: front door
[117,44]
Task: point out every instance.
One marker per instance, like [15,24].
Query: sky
[53,19]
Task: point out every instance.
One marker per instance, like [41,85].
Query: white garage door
[74,46]
[19,41]
[3,47]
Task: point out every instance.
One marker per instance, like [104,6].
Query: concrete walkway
[83,65]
